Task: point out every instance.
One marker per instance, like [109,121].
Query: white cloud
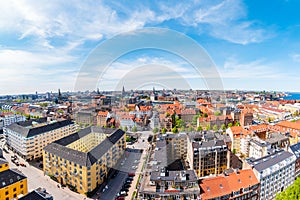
[223,19]
[257,69]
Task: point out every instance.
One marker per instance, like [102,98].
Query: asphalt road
[114,186]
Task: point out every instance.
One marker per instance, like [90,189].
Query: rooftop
[226,184]
[9,177]
[268,161]
[35,127]
[38,194]
[87,159]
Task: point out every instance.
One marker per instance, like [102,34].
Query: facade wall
[84,179]
[12,191]
[31,147]
[4,167]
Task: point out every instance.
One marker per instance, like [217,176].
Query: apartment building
[82,160]
[233,184]
[177,148]
[13,184]
[207,155]
[258,148]
[7,119]
[295,149]
[240,138]
[275,172]
[29,138]
[169,178]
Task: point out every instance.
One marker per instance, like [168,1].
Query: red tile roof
[222,185]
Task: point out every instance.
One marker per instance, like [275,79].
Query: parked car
[131,174]
[22,164]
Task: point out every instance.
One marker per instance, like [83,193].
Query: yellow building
[28,138]
[12,183]
[82,160]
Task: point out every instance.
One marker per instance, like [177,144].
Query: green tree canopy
[230,125]
[215,127]
[217,113]
[163,130]
[174,130]
[237,124]
[155,130]
[190,129]
[223,127]
[199,128]
[208,127]
[134,129]
[291,193]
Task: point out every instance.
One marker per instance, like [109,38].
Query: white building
[258,148]
[275,172]
[30,137]
[6,120]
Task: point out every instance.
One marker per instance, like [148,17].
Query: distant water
[292,96]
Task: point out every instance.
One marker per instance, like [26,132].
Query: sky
[44,45]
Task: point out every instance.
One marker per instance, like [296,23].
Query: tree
[215,127]
[179,122]
[199,128]
[125,128]
[134,129]
[223,127]
[190,129]
[155,130]
[182,129]
[208,127]
[205,115]
[163,130]
[128,138]
[194,121]
[230,125]
[120,127]
[234,151]
[217,113]
[291,193]
[174,130]
[237,124]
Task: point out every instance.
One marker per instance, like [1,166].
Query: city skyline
[253,44]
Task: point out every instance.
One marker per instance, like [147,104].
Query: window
[21,186]
[6,193]
[15,189]
[15,195]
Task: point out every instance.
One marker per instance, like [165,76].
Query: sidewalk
[136,177]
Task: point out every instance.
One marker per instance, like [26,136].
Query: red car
[120,198]
[131,174]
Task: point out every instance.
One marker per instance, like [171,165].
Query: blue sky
[254,44]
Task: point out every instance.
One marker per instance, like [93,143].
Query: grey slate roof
[23,129]
[33,195]
[84,158]
[37,194]
[296,149]
[9,177]
[269,160]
